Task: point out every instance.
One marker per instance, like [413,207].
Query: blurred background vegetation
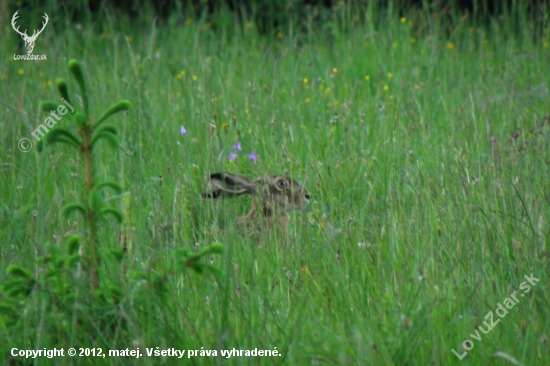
[268,15]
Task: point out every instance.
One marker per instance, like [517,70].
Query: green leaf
[19,290]
[60,134]
[17,271]
[71,261]
[94,201]
[59,139]
[114,185]
[68,209]
[113,212]
[49,105]
[217,272]
[215,248]
[80,119]
[181,253]
[73,243]
[10,284]
[7,310]
[107,127]
[58,262]
[76,70]
[65,140]
[51,273]
[62,88]
[123,105]
[198,267]
[192,258]
[111,139]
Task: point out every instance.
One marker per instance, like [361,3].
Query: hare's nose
[307,196]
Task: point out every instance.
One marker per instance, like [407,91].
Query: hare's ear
[230,185]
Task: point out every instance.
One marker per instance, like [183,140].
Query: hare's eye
[282,183]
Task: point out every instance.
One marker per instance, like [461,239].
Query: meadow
[423,138]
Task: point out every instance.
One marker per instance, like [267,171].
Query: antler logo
[29,41]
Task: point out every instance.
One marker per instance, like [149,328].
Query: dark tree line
[267,14]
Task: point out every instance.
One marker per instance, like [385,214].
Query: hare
[278,195]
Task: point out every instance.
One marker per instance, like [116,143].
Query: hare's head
[281,195]
[278,195]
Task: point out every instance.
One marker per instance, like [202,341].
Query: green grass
[424,144]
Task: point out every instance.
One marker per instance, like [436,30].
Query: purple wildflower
[183,131]
[232,156]
[238,146]
[252,156]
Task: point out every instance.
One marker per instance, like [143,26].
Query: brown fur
[277,196]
